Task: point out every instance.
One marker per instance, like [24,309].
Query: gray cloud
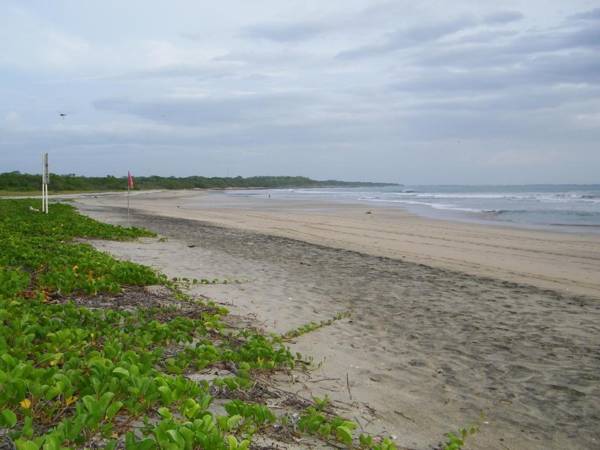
[196,71]
[593,14]
[408,37]
[283,32]
[422,34]
[502,17]
[430,32]
[538,71]
[487,36]
[515,49]
[584,36]
[346,21]
[205,111]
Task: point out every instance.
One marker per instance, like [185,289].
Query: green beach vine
[77,375]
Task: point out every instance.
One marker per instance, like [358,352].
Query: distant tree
[16,181]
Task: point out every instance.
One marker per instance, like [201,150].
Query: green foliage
[63,224]
[12,281]
[316,421]
[70,375]
[39,248]
[204,432]
[16,181]
[312,326]
[456,441]
[257,413]
[230,384]
[8,418]
[368,442]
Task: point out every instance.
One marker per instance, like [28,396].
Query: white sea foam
[541,204]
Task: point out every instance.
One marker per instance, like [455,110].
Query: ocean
[560,207]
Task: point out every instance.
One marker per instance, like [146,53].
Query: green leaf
[349,425]
[166,393]
[52,443]
[365,440]
[113,409]
[27,430]
[121,371]
[344,434]
[165,413]
[9,418]
[233,421]
[110,445]
[188,435]
[52,392]
[176,438]
[26,445]
[90,403]
[146,444]
[232,442]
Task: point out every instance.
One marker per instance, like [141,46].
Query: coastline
[565,262]
[429,348]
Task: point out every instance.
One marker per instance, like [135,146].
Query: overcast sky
[408,91]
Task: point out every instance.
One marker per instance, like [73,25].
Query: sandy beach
[451,324]
[566,262]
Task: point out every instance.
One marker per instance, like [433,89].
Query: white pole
[128,222]
[47,182]
[44,182]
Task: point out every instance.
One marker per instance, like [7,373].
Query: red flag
[129,180]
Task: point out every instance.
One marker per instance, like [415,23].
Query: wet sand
[429,348]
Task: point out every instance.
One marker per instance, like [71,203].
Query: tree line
[17,181]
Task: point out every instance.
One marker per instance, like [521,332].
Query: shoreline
[429,349]
[565,262]
[474,214]
[427,213]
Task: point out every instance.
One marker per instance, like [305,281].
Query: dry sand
[429,347]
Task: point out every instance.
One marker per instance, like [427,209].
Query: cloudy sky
[407,91]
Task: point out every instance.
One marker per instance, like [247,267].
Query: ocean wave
[442,206]
[454,197]
[578,206]
[509,211]
[458,195]
[337,193]
[549,212]
[558,197]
